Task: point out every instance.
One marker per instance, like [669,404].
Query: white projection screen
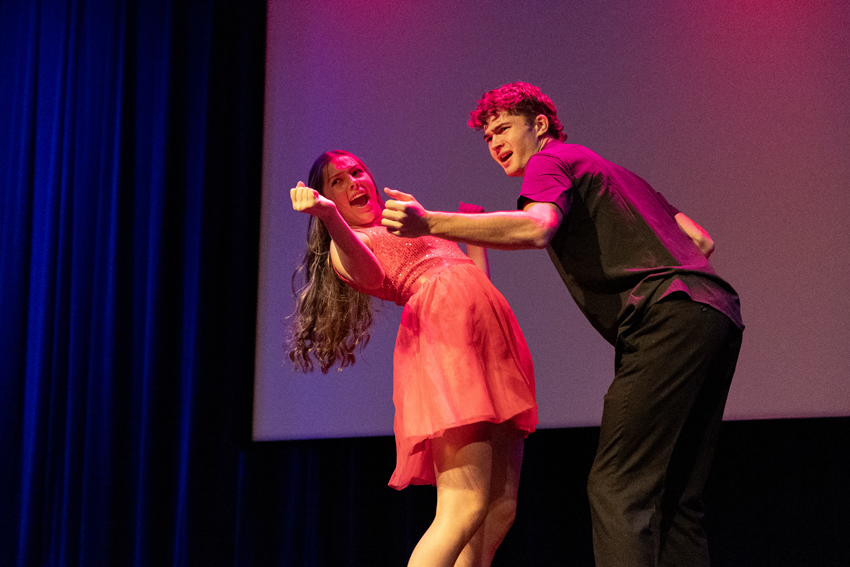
[738,112]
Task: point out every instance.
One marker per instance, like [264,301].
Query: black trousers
[660,422]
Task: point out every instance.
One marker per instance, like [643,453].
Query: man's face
[512,141]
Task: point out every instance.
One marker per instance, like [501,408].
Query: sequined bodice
[405,260]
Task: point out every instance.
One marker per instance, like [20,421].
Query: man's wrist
[435,222]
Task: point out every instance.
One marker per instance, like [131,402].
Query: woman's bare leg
[463,459]
[508,444]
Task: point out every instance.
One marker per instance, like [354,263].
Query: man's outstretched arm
[532,227]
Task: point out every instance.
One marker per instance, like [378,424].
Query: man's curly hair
[518,99]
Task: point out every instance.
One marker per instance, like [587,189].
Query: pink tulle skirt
[460,358]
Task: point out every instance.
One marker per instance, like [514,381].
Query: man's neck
[545,141]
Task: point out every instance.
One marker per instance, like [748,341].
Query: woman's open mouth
[360,200]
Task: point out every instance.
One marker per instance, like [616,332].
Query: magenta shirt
[618,249]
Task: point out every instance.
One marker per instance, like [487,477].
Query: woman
[463,382]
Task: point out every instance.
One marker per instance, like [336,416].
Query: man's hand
[404,216]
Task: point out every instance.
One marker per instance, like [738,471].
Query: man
[639,270]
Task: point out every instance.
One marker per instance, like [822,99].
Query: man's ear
[541,125]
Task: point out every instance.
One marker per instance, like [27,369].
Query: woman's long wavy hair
[331,319]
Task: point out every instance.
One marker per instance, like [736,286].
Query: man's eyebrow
[491,127]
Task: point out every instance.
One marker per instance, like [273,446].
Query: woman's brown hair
[331,319]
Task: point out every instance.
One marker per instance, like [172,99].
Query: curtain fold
[128,248]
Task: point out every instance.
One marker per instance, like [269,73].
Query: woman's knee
[502,515]
[464,509]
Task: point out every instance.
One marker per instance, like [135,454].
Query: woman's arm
[351,252]
[477,254]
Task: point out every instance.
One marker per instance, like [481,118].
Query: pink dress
[460,356]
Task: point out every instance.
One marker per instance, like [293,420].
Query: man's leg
[681,533]
[659,424]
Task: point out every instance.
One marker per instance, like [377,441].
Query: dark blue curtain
[130,140]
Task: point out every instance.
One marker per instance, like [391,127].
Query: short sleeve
[547,180]
[671,210]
